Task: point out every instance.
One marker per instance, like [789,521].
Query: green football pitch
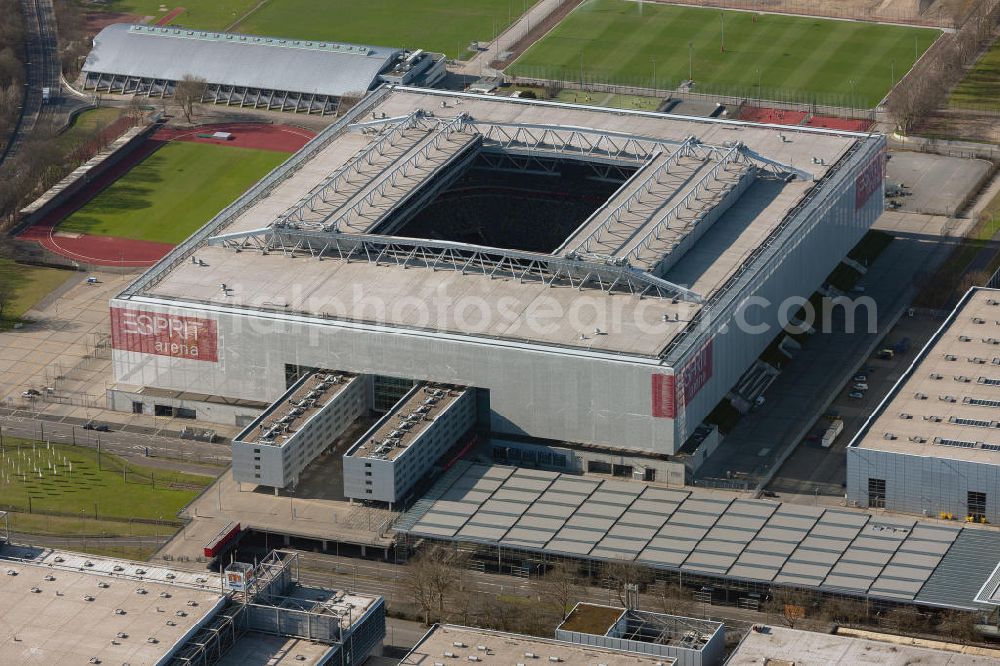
[173,192]
[767,56]
[446,26]
[199,14]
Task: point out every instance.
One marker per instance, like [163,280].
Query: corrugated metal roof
[831,549]
[321,68]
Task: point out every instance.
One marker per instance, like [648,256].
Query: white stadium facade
[600,277]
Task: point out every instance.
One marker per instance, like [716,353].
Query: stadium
[601,278]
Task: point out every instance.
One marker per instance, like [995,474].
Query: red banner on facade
[664,406]
[869,180]
[669,393]
[696,374]
[165,335]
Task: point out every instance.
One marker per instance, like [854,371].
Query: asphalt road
[168,452]
[42,69]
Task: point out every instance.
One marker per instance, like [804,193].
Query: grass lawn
[68,479]
[28,285]
[446,26]
[784,57]
[201,14]
[85,124]
[980,89]
[174,191]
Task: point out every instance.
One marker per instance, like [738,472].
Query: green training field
[199,14]
[980,89]
[22,287]
[170,194]
[766,55]
[446,26]
[66,479]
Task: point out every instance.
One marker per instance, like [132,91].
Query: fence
[841,106]
[840,10]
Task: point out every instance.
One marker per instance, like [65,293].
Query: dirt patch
[94,22]
[536,33]
[590,619]
[962,125]
[935,12]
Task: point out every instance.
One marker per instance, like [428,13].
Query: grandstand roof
[395,143]
[270,63]
[709,533]
[946,404]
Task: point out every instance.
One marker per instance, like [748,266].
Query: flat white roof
[520,310]
[53,614]
[450,642]
[779,645]
[947,405]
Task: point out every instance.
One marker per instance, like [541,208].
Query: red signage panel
[869,180]
[664,406]
[670,392]
[696,374]
[192,338]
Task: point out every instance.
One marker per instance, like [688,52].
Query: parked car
[99,427]
[856,395]
[860,386]
[860,378]
[31,393]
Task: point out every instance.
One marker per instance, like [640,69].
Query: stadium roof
[388,150]
[946,404]
[714,534]
[269,63]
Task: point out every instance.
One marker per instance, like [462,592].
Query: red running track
[170,16]
[765,114]
[106,251]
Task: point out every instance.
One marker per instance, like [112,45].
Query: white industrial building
[396,453]
[275,448]
[932,446]
[601,277]
[254,71]
[690,641]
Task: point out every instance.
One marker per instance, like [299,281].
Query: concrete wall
[918,484]
[807,253]
[391,480]
[280,466]
[546,393]
[211,412]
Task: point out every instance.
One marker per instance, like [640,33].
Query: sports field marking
[770,56]
[198,14]
[173,192]
[447,26]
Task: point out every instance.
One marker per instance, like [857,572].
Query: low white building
[398,451]
[311,415]
[933,446]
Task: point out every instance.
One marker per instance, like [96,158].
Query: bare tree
[621,575]
[432,575]
[845,611]
[904,620]
[959,627]
[188,92]
[560,588]
[674,599]
[788,605]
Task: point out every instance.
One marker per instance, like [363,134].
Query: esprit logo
[166,335]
